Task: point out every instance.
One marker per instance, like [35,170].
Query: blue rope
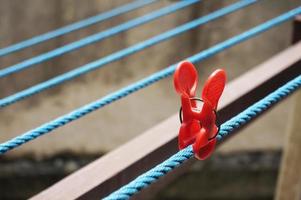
[75,26]
[95,37]
[244,117]
[120,54]
[82,111]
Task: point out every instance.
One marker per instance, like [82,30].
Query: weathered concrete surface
[117,123]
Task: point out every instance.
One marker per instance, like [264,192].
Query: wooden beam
[296,30]
[289,184]
[120,166]
[289,180]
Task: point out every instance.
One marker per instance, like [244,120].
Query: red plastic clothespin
[198,126]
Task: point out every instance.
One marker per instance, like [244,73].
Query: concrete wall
[113,125]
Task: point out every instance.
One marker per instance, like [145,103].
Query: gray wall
[117,123]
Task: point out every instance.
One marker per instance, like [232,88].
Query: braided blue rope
[95,37]
[74,26]
[120,54]
[244,117]
[82,111]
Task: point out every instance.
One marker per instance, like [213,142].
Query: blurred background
[245,167]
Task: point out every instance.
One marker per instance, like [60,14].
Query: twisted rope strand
[120,54]
[82,111]
[177,159]
[95,37]
[74,26]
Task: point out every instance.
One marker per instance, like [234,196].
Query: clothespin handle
[198,126]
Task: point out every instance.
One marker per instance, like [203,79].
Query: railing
[117,168]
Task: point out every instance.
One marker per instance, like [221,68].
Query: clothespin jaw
[198,124]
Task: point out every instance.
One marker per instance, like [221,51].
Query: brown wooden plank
[289,179]
[118,167]
[296,30]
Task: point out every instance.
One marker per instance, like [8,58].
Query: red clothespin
[198,126]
